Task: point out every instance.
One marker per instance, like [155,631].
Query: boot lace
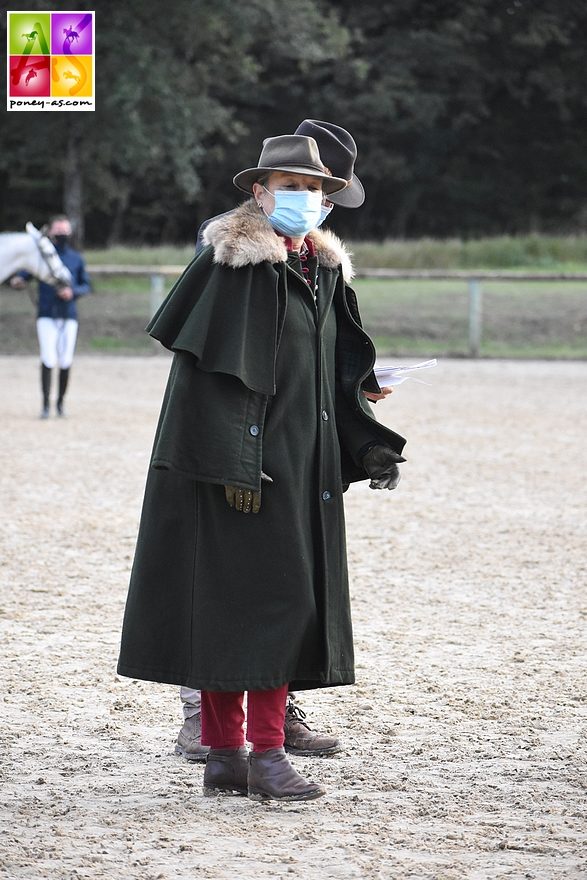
[296,714]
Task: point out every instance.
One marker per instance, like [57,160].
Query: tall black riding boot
[63,380]
[46,389]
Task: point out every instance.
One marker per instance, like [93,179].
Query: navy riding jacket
[50,305]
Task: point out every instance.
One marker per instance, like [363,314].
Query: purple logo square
[71,33]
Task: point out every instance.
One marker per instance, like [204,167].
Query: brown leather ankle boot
[300,739]
[272,777]
[226,772]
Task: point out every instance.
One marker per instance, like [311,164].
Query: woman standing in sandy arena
[240,580]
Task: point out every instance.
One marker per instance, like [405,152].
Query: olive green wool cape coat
[265,376]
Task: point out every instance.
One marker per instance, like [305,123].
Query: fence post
[475,317]
[157,285]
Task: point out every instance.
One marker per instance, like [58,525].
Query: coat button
[326,496]
[324,415]
[254,430]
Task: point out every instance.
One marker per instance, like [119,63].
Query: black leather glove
[381,463]
[245,500]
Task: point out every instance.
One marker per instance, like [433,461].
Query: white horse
[34,252]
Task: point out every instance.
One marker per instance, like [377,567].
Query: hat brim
[244,180]
[352,196]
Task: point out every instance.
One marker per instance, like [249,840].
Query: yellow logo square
[71,75]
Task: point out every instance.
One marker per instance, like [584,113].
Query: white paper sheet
[389,375]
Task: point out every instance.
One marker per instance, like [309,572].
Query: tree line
[468,116]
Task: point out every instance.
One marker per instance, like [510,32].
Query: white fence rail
[158,275]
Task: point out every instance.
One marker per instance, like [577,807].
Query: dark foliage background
[470,117]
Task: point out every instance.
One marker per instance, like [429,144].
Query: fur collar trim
[244,237]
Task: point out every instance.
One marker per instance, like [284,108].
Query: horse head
[59,273]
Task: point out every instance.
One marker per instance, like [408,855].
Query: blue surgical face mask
[296,212]
[324,212]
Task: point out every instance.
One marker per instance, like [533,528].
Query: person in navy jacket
[57,318]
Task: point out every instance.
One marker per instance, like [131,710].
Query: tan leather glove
[245,500]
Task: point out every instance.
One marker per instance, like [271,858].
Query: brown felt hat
[289,152]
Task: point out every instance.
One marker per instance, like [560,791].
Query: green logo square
[29,33]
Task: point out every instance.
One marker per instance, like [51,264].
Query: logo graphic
[50,61]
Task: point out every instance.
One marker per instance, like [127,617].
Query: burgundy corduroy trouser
[223,719]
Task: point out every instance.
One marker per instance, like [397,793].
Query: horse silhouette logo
[34,39]
[50,56]
[70,34]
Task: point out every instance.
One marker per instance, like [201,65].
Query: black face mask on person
[60,241]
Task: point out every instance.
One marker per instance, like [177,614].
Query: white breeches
[57,337]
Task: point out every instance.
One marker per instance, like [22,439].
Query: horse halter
[60,274]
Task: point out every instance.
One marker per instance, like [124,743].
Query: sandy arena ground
[465,736]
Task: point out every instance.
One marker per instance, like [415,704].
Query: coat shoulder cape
[223,319]
[233,285]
